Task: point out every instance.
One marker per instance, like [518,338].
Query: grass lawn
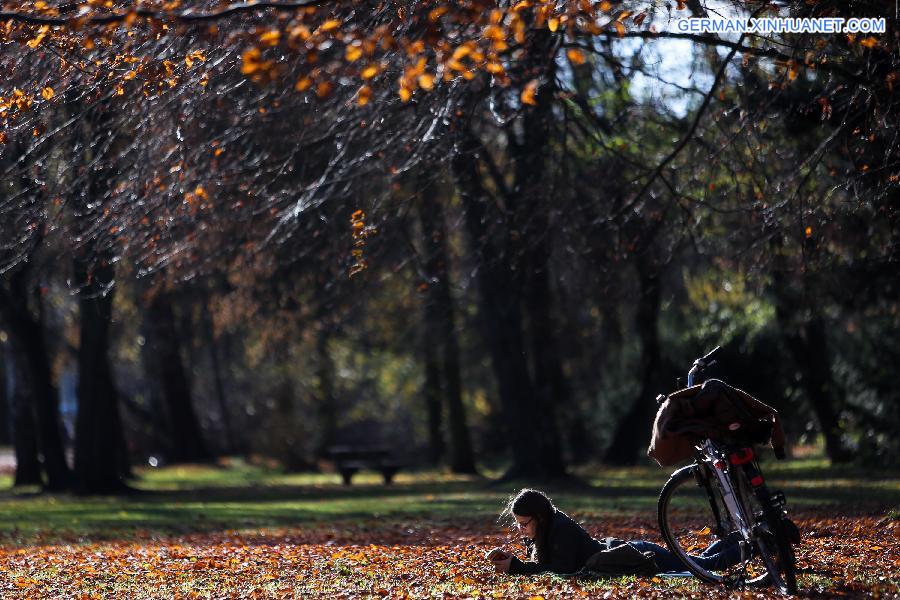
[242,530]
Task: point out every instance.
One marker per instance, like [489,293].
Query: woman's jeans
[721,554]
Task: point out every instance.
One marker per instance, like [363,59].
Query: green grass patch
[184,499]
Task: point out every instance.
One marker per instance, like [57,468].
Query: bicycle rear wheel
[699,531]
[778,556]
[771,540]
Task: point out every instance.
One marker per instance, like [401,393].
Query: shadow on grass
[26,519]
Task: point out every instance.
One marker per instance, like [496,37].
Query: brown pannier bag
[712,410]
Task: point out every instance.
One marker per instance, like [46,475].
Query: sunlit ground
[240,530]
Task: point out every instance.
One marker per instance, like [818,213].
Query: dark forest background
[213,244]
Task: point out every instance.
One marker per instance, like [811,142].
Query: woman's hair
[536,505]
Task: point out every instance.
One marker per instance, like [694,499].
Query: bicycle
[721,498]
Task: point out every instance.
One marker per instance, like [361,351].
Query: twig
[185,16]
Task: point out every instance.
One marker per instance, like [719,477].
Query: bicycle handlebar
[705,359]
[702,363]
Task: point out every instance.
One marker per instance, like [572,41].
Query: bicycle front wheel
[698,530]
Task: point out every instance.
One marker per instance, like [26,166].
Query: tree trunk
[218,378]
[27,333]
[46,406]
[289,447]
[327,399]
[821,388]
[499,291]
[462,458]
[5,408]
[28,468]
[163,357]
[101,453]
[531,215]
[441,339]
[432,390]
[633,431]
[98,428]
[573,422]
[550,385]
[809,347]
[803,331]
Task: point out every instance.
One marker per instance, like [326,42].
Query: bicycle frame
[716,463]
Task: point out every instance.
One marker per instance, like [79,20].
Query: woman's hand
[502,565]
[500,559]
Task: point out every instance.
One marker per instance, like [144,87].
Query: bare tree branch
[184,16]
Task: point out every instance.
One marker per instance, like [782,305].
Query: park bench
[349,460]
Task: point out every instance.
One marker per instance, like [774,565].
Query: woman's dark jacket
[569,546]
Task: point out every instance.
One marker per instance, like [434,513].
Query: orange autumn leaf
[36,40]
[300,32]
[495,33]
[353,53]
[436,13]
[415,48]
[329,25]
[250,60]
[364,95]
[426,81]
[190,58]
[369,72]
[323,90]
[576,56]
[341,559]
[529,93]
[463,51]
[869,42]
[270,38]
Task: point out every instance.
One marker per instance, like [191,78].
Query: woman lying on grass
[557,544]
